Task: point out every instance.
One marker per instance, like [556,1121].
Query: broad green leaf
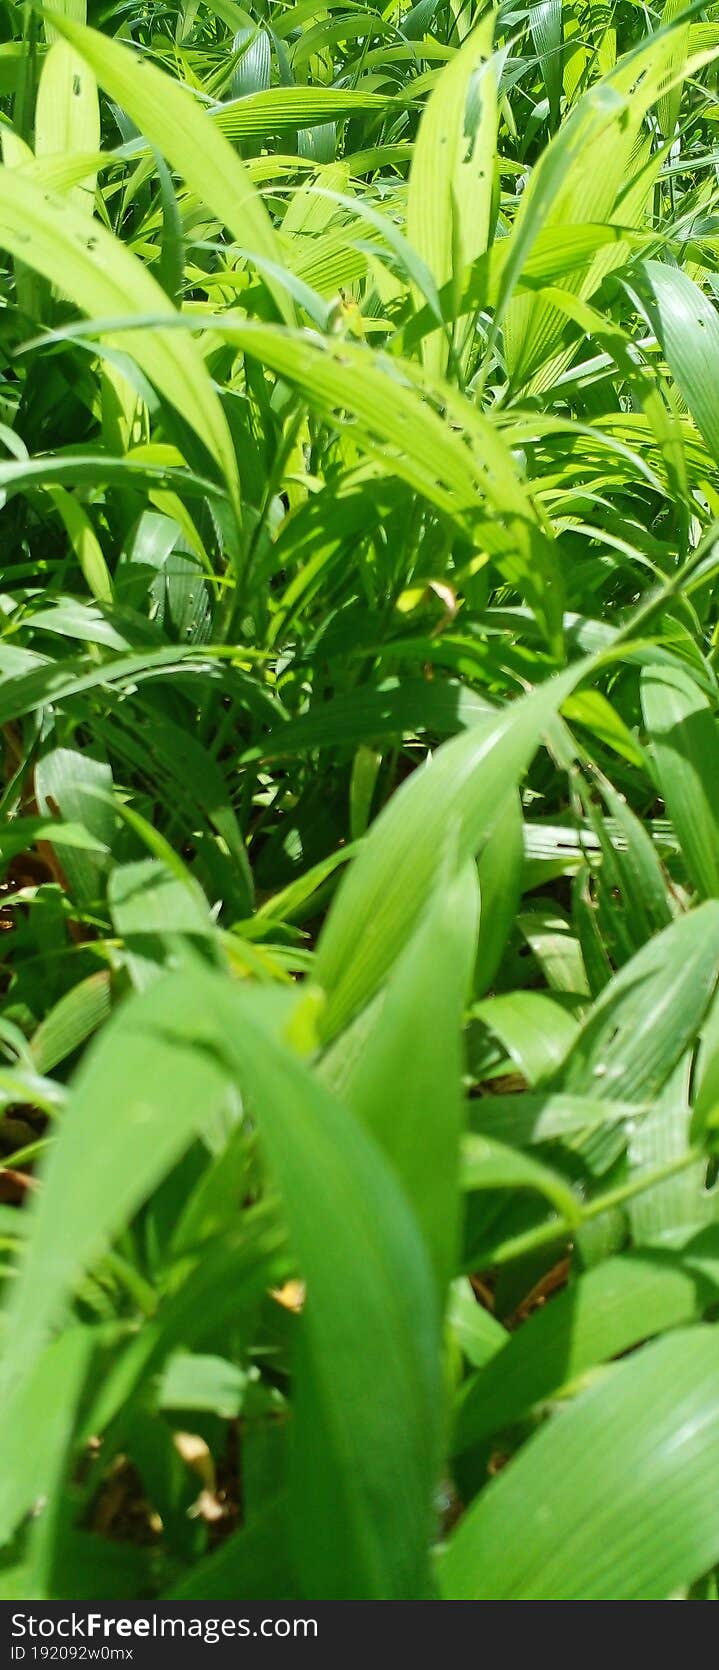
[557,950]
[452,174]
[17,835]
[53,681]
[66,8]
[478,1334]
[194,1381]
[499,872]
[405,1085]
[67,780]
[398,706]
[149,467]
[687,327]
[632,895]
[466,783]
[43,1415]
[150,905]
[667,1213]
[85,543]
[683,732]
[67,115]
[542,1116]
[535,1030]
[287,108]
[649,1013]
[546,24]
[487,1164]
[600,1315]
[668,106]
[71,1021]
[614,1498]
[368,1401]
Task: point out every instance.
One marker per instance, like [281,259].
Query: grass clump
[359,427]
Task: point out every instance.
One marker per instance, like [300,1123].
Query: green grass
[359,444]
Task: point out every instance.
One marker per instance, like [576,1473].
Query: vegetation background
[359,433]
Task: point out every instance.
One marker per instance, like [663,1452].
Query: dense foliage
[359,431]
